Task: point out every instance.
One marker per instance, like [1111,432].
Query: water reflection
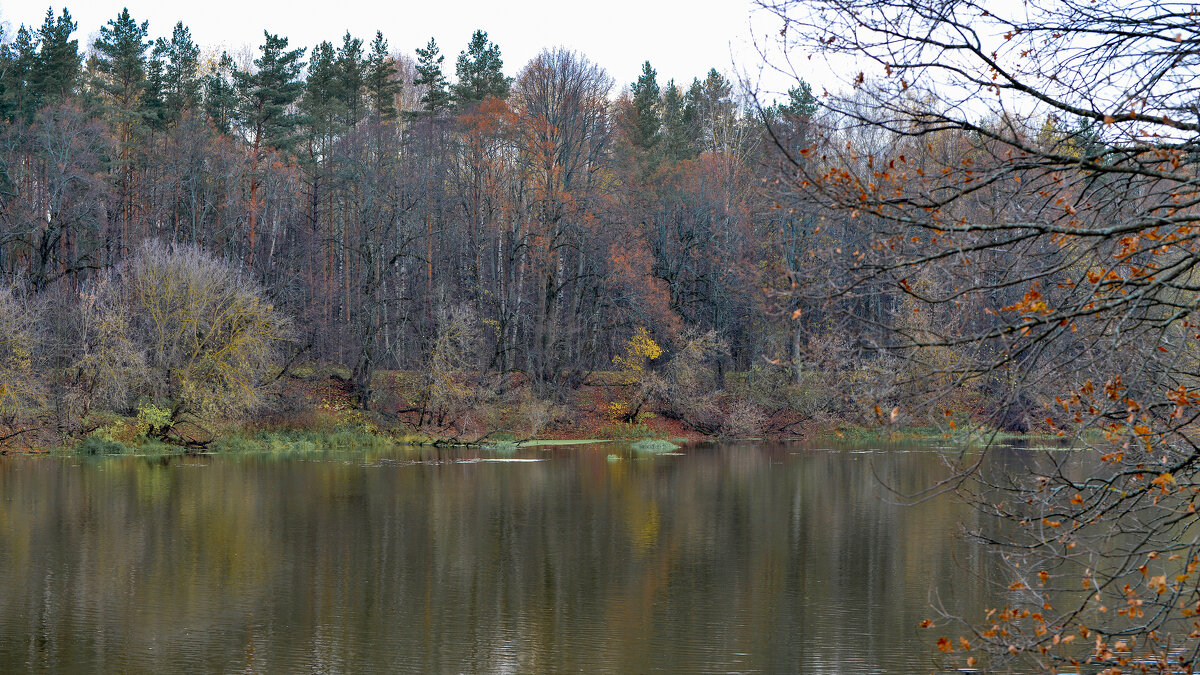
[729,558]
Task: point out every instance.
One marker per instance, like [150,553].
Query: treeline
[381,202]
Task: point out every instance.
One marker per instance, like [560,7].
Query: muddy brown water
[730,558]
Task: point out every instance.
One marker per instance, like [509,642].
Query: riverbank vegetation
[186,238]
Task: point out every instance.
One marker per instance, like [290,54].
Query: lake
[723,558]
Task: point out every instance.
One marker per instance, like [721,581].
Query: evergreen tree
[56,68]
[20,59]
[381,87]
[181,74]
[429,74]
[692,102]
[480,72]
[677,142]
[265,95]
[8,82]
[350,77]
[220,94]
[153,108]
[801,103]
[709,111]
[646,122]
[7,73]
[787,121]
[121,63]
[264,101]
[320,103]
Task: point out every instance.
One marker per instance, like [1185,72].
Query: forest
[479,232]
[191,240]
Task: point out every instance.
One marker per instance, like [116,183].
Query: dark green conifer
[321,103]
[646,121]
[801,103]
[181,74]
[350,77]
[20,58]
[264,96]
[121,64]
[480,72]
[220,96]
[429,74]
[55,71]
[676,142]
[382,88]
[153,108]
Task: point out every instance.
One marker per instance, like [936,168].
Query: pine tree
[480,72]
[9,82]
[153,108]
[20,58]
[181,74]
[646,120]
[350,77]
[693,101]
[787,122]
[265,95]
[220,95]
[381,87]
[121,62]
[714,110]
[264,99]
[676,139]
[801,102]
[7,73]
[56,69]
[320,103]
[429,74]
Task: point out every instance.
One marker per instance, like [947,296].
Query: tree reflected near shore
[739,557]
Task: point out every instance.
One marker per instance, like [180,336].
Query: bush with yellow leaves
[20,390]
[199,337]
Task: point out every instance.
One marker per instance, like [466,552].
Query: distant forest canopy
[375,196]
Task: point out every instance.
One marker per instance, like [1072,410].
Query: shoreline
[319,411]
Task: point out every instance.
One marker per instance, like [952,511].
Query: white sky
[681,39]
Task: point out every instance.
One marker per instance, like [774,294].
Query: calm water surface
[729,558]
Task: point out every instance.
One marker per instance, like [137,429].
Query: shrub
[448,390]
[691,384]
[654,445]
[19,388]
[536,414]
[179,327]
[95,445]
[743,419]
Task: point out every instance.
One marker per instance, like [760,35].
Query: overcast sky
[681,39]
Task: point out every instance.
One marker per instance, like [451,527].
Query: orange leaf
[1164,479]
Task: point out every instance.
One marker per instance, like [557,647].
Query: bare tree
[1032,192]
[562,119]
